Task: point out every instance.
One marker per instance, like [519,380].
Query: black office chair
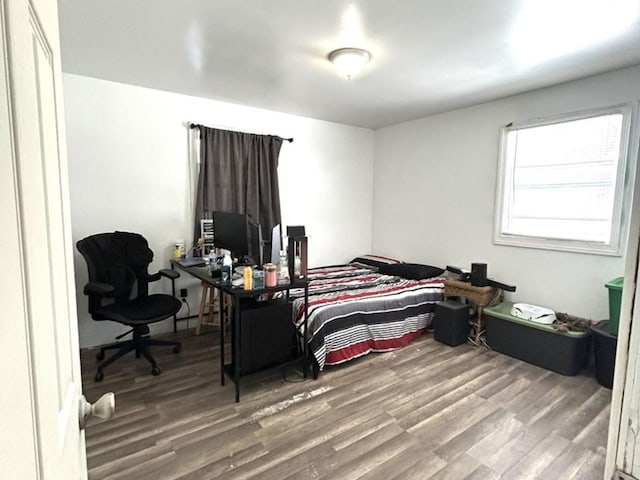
[117,263]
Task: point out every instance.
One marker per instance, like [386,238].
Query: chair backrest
[120,259]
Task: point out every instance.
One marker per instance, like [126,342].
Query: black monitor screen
[230,232]
[255,244]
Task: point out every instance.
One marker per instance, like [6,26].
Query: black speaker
[267,334]
[479,274]
[451,323]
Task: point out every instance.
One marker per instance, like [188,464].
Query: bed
[372,304]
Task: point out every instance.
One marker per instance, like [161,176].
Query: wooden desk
[480,297]
[232,370]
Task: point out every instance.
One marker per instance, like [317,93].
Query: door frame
[627,365]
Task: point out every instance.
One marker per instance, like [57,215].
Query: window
[562,182]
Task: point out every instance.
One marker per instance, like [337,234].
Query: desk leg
[173,292]
[221,314]
[235,349]
[305,348]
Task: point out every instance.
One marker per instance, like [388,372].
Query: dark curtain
[238,173]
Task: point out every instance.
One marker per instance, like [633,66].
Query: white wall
[434,195]
[129,170]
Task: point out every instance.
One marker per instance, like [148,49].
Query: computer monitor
[255,244]
[231,232]
[276,244]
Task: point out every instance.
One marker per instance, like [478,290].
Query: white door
[39,364]
[623,448]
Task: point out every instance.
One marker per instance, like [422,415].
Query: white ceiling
[428,56]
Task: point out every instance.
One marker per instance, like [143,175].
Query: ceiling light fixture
[349,61]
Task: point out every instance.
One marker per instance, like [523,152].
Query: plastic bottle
[213,266]
[248,278]
[283,273]
[227,263]
[297,266]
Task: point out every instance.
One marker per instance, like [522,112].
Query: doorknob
[104,408]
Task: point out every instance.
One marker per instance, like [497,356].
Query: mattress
[353,310]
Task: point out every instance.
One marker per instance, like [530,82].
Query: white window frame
[623,189]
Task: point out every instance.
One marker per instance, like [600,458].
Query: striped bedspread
[353,311]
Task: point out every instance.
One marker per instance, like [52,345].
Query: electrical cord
[184,301]
[192,331]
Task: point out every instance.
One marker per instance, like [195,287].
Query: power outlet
[183,293]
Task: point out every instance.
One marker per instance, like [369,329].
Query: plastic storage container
[615,298]
[536,343]
[604,349]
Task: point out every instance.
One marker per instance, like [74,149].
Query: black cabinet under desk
[267,335]
[263,333]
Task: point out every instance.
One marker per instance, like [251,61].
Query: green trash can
[615,297]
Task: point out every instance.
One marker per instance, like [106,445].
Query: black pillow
[411,271]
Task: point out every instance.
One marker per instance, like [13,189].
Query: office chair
[118,291]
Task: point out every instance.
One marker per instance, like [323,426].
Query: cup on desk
[270,275]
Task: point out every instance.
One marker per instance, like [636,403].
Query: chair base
[140,343]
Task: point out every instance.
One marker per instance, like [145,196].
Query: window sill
[591,248]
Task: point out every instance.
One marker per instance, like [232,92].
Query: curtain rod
[196,125]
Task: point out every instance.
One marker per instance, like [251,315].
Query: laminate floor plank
[222,467]
[496,439]
[371,463]
[426,411]
[589,437]
[443,400]
[469,437]
[401,462]
[428,464]
[458,470]
[302,466]
[591,469]
[567,464]
[577,419]
[453,420]
[483,473]
[434,390]
[538,458]
[127,463]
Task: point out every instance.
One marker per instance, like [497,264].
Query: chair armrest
[167,272]
[98,288]
[164,272]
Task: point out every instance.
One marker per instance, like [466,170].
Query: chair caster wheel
[156,371]
[177,349]
[99,376]
[100,355]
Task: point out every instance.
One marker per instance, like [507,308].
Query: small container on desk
[270,275]
[258,279]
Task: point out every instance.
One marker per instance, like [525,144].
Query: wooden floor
[427,411]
